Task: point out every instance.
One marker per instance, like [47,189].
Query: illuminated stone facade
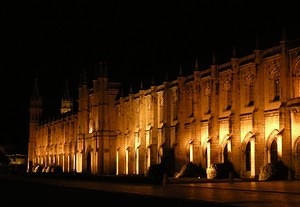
[246,111]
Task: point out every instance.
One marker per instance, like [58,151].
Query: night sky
[56,41]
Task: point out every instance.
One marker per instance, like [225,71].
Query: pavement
[229,193]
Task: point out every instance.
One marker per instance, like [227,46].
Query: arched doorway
[248,157]
[225,154]
[297,158]
[88,162]
[206,154]
[273,152]
[274,146]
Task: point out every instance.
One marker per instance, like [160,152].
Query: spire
[105,68]
[66,102]
[283,35]
[257,45]
[122,92]
[101,68]
[180,70]
[66,94]
[84,78]
[95,71]
[233,52]
[153,80]
[36,91]
[196,65]
[80,79]
[166,77]
[214,58]
[130,89]
[142,85]
[36,105]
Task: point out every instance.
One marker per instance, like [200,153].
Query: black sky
[57,40]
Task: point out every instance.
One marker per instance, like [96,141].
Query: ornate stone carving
[297,67]
[149,104]
[249,78]
[175,96]
[274,71]
[207,87]
[161,101]
[189,91]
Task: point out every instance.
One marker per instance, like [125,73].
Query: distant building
[17,159]
[246,111]
[12,162]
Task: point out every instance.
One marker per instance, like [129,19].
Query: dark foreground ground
[19,192]
[71,191]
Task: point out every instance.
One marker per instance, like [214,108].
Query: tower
[66,102]
[35,113]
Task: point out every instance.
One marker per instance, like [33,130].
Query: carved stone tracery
[297,67]
[249,78]
[274,71]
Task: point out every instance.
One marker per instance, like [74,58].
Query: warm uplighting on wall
[126,159]
[208,153]
[90,129]
[191,149]
[279,146]
[117,162]
[137,161]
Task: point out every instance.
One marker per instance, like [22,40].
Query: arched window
[274,153]
[209,104]
[276,90]
[251,95]
[207,93]
[275,77]
[249,87]
[297,87]
[297,78]
[248,156]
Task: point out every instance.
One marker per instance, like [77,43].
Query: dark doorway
[225,153]
[274,153]
[248,156]
[88,162]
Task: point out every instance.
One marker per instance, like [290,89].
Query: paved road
[77,193]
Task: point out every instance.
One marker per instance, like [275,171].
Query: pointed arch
[273,135]
[273,151]
[296,153]
[274,146]
[225,150]
[248,155]
[296,146]
[247,138]
[206,151]
[89,150]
